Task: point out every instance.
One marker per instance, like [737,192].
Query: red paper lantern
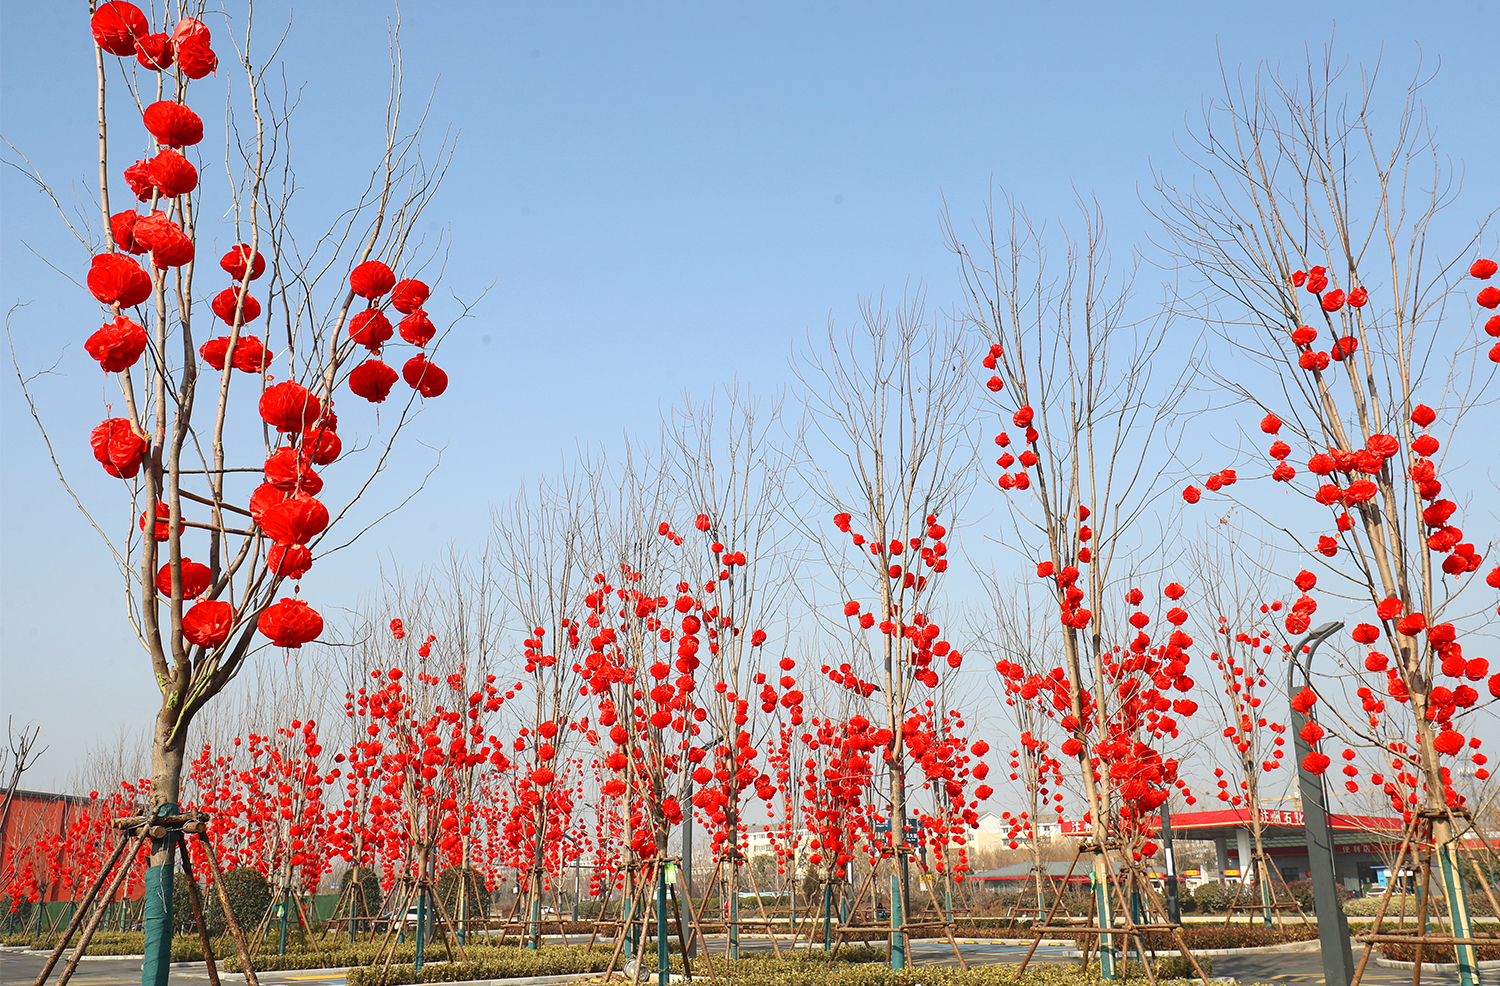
[371,279]
[249,354]
[117,26]
[226,301]
[153,230]
[289,469]
[417,329]
[409,295]
[154,51]
[294,521]
[194,55]
[120,226]
[289,407]
[208,623]
[196,579]
[321,444]
[290,561]
[117,447]
[177,252]
[290,623]
[372,380]
[173,124]
[424,377]
[160,530]
[117,280]
[196,60]
[138,177]
[117,345]
[265,496]
[233,262]
[173,174]
[370,328]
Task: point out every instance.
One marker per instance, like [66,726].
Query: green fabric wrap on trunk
[158,925]
[156,910]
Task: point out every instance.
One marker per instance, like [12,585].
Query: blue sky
[651,198]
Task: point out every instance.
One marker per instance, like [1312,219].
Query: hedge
[1402,952]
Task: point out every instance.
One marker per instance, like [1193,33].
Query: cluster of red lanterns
[373,379]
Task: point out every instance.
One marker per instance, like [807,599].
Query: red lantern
[424,377]
[120,226]
[321,444]
[294,521]
[138,177]
[265,496]
[372,380]
[371,279]
[160,530]
[117,26]
[226,301]
[288,469]
[370,328]
[154,230]
[154,51]
[289,407]
[117,447]
[173,124]
[233,262]
[417,329]
[176,252]
[117,345]
[196,60]
[290,561]
[173,174]
[250,355]
[196,579]
[208,623]
[409,295]
[290,623]
[117,280]
[194,56]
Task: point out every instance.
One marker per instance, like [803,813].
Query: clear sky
[655,197]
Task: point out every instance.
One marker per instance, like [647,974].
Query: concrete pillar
[1242,836]
[1221,846]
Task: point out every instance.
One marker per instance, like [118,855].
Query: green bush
[15,912]
[1212,897]
[182,905]
[360,895]
[249,896]
[476,892]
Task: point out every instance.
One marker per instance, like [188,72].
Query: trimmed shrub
[1403,952]
[360,894]
[249,896]
[1211,897]
[477,894]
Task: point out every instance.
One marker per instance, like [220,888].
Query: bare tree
[1312,226]
[888,401]
[730,475]
[182,458]
[1071,368]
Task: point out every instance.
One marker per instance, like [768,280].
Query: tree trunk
[166,786]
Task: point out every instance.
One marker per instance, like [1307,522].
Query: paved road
[1280,968]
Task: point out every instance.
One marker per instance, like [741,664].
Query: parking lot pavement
[1279,968]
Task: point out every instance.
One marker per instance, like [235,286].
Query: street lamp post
[1333,927]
